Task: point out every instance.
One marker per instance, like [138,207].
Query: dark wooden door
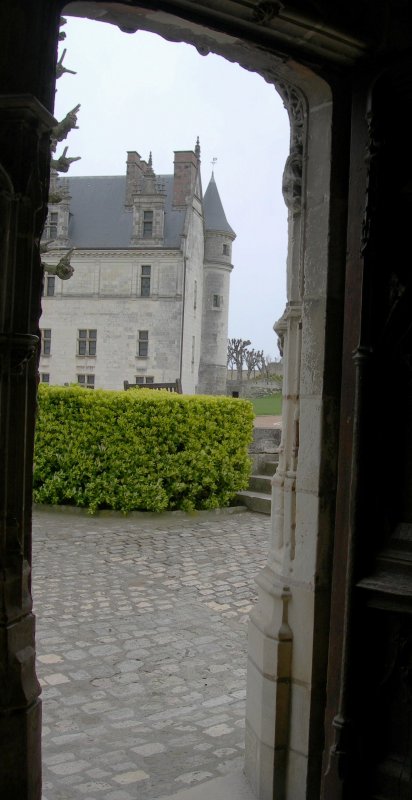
[369,714]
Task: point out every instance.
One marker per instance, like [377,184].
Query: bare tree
[263,364]
[236,354]
[253,359]
[266,372]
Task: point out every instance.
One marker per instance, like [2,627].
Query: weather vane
[213,162]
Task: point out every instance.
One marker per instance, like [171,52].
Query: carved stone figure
[63,269]
[60,69]
[62,34]
[292,180]
[62,164]
[264,12]
[63,128]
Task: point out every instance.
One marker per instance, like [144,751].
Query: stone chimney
[134,172]
[186,166]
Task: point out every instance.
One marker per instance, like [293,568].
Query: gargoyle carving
[62,164]
[63,128]
[63,268]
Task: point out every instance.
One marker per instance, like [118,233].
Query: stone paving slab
[141,640]
[268,421]
[231,787]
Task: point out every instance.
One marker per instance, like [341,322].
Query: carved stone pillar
[270,635]
[24,158]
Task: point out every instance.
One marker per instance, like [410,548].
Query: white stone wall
[104,294]
[187,330]
[192,323]
[215,316]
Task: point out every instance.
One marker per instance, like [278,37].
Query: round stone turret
[219,237]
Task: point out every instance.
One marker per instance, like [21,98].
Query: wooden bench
[176,386]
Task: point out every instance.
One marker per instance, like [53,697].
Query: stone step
[255,501]
[268,467]
[265,440]
[260,483]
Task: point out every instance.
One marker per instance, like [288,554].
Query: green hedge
[140,450]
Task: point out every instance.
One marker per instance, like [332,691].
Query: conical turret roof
[214,215]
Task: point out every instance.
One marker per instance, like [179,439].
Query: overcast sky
[139,92]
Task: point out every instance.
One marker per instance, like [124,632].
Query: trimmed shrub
[140,450]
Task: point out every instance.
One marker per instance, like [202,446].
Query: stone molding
[26,107]
[97,253]
[218,265]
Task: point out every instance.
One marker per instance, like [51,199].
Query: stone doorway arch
[289,626]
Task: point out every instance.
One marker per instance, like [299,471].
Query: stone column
[29,34]
[270,635]
[289,624]
[24,158]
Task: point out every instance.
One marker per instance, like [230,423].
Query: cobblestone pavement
[141,644]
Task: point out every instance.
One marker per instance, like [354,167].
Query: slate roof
[214,215]
[98,218]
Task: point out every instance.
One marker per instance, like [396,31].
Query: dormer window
[51,226]
[147,224]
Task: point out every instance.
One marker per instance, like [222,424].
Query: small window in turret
[226,249]
[216,301]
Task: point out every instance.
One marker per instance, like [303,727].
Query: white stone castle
[148,300]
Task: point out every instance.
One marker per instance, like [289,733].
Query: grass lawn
[271,404]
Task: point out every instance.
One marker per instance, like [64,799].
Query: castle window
[226,250]
[216,301]
[143,344]
[147,224]
[45,334]
[86,342]
[145,279]
[195,296]
[54,217]
[45,377]
[141,379]
[87,381]
[51,229]
[193,352]
[50,285]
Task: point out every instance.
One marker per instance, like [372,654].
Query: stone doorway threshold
[230,787]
